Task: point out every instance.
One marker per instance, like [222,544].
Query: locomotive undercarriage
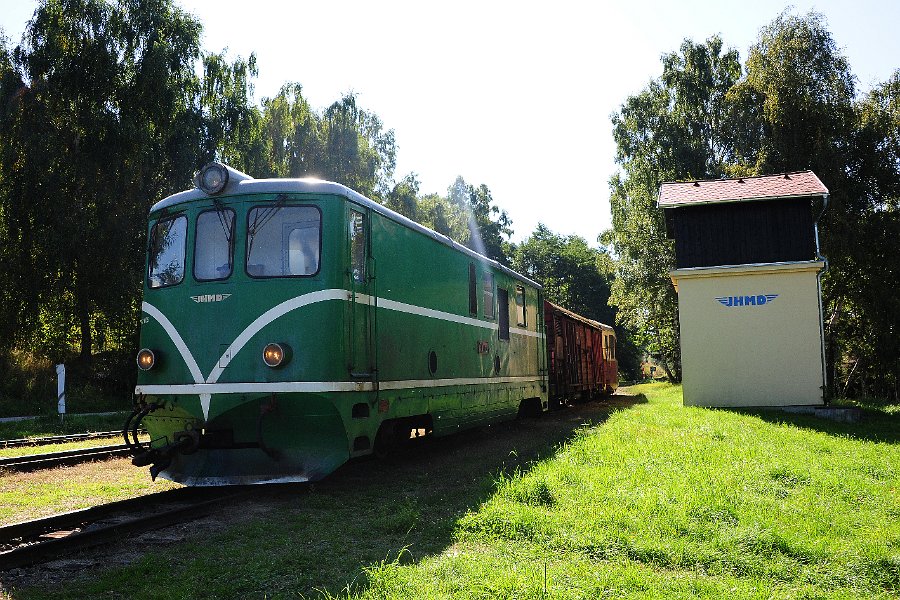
[269,439]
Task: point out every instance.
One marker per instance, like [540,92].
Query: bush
[28,383]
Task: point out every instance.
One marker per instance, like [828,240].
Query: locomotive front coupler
[159,459]
[133,423]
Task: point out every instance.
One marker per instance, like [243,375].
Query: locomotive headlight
[212,178]
[276,355]
[146,359]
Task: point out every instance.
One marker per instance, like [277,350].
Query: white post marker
[61,390]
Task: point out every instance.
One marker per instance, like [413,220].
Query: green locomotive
[291,324]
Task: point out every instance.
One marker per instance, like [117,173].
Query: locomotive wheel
[392,435]
[387,439]
[530,408]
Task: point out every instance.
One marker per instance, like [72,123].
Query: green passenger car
[291,324]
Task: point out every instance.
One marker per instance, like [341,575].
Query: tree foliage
[106,106]
[809,117]
[676,128]
[292,133]
[343,143]
[574,275]
[102,112]
[94,99]
[466,214]
[232,129]
[489,227]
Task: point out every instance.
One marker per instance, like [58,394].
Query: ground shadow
[439,480]
[873,425]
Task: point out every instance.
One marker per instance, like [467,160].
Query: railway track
[41,540]
[58,439]
[47,460]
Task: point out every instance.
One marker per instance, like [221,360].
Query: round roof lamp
[212,178]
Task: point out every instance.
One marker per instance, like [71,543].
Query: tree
[404,197]
[293,133]
[794,109]
[676,128]
[800,91]
[94,99]
[438,213]
[232,126]
[102,113]
[345,143]
[865,329]
[357,151]
[798,94]
[467,214]
[573,274]
[488,225]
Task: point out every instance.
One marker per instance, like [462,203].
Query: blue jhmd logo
[757,300]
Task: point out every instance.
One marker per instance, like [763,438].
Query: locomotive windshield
[212,248]
[167,248]
[283,241]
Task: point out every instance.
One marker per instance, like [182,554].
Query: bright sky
[515,95]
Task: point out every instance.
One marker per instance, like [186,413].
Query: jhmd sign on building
[749,296]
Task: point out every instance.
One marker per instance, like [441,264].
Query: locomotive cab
[239,318]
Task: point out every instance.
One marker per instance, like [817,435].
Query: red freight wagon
[581,354]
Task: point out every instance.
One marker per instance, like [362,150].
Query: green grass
[872,404]
[79,399]
[25,496]
[31,450]
[655,501]
[51,425]
[667,501]
[46,426]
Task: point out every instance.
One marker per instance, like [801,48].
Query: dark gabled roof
[800,184]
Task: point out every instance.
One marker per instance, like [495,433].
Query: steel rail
[47,460]
[40,540]
[58,439]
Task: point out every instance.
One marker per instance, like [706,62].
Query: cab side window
[168,240]
[503,307]
[520,305]
[358,246]
[473,291]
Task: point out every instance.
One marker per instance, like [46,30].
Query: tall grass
[53,425]
[28,383]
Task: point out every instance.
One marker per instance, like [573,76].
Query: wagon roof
[240,187]
[799,184]
[577,317]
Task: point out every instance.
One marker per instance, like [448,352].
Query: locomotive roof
[241,184]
